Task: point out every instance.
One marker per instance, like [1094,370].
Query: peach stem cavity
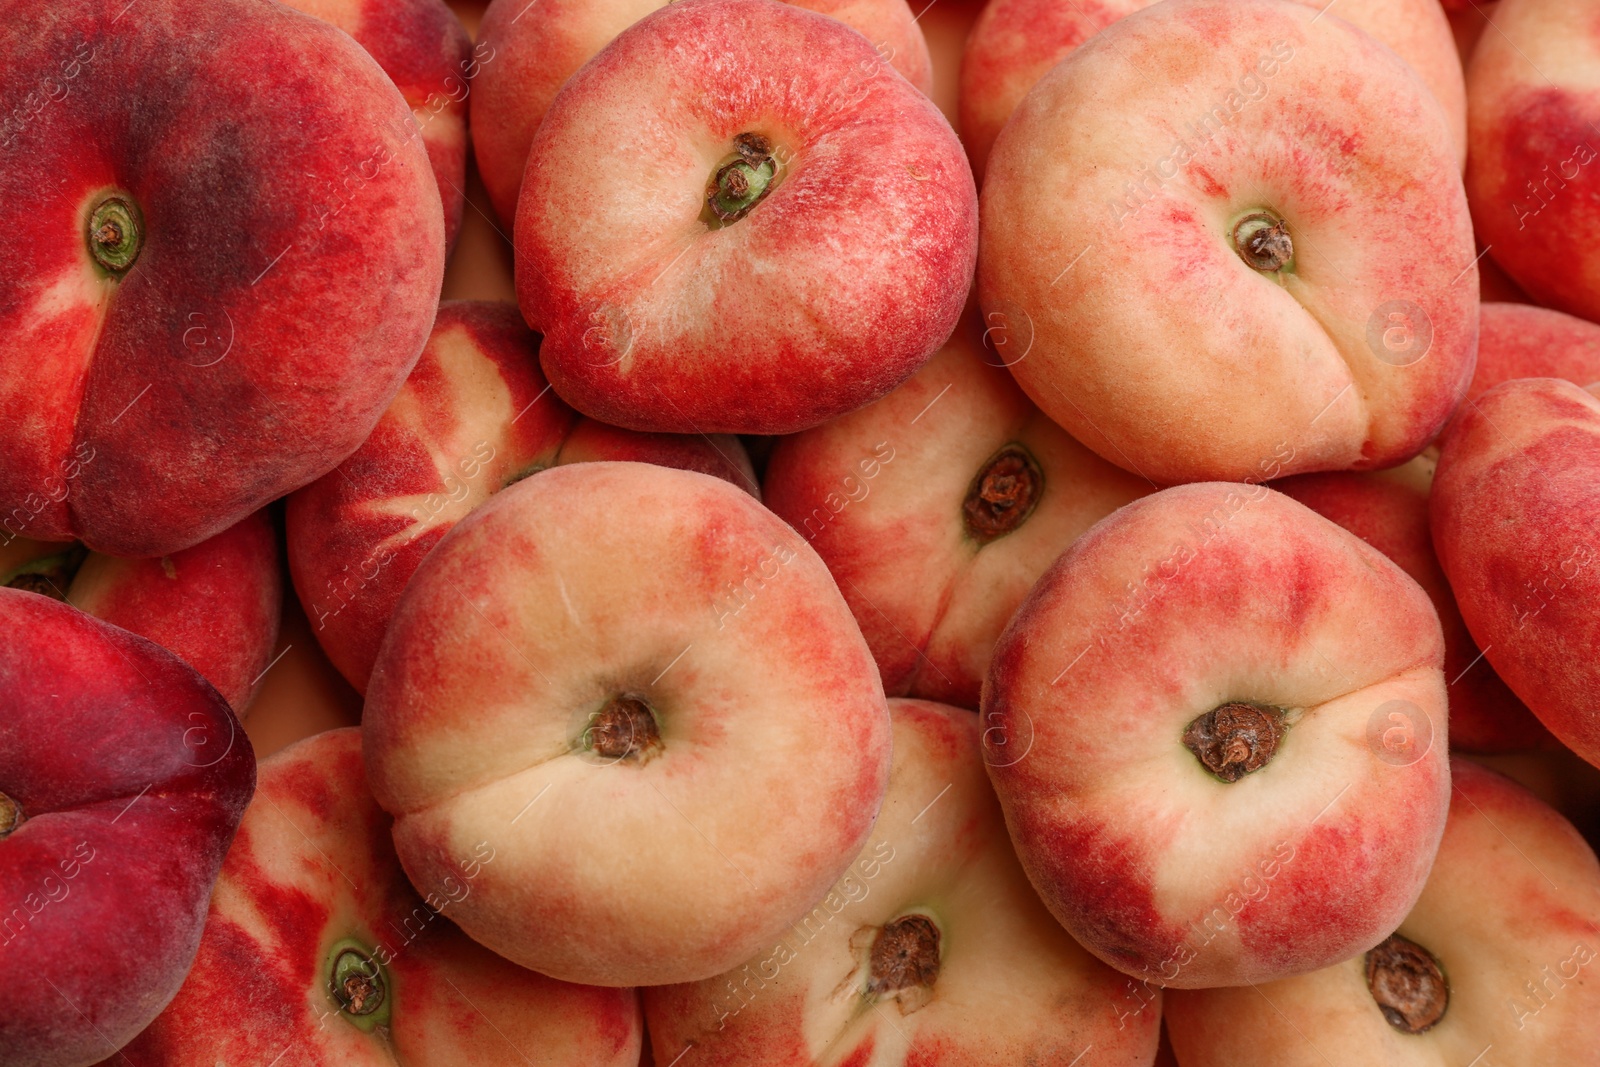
[1236,738]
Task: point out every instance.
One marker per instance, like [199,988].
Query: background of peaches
[1510,911]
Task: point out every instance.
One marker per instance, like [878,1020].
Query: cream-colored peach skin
[671,861]
[313,872]
[532,49]
[1533,93]
[938,851]
[882,495]
[1016,42]
[1109,218]
[1181,603]
[1513,513]
[1511,913]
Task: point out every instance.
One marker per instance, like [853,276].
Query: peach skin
[1493,966]
[1513,512]
[225,251]
[933,948]
[318,952]
[531,50]
[1233,230]
[936,509]
[1217,728]
[669,727]
[216,605]
[474,416]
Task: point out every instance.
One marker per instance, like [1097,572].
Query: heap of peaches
[799,533]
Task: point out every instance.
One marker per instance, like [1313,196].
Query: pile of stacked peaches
[598,533]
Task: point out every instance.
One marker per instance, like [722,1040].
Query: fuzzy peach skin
[1513,513]
[529,52]
[937,508]
[1113,242]
[1389,511]
[933,948]
[313,875]
[474,416]
[751,771]
[425,50]
[1016,42]
[1188,601]
[123,777]
[1523,341]
[832,290]
[290,261]
[1533,94]
[1511,916]
[216,605]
